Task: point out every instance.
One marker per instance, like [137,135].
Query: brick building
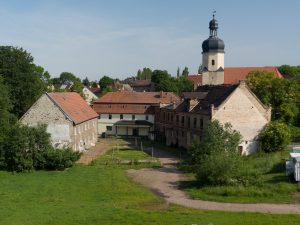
[69,119]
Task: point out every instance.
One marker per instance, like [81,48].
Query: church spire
[213,26]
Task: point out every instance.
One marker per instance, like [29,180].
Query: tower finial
[214,12]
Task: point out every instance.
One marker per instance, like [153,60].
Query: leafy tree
[200,69]
[290,71]
[216,156]
[275,137]
[168,85]
[280,94]
[86,82]
[105,81]
[25,85]
[159,75]
[178,73]
[185,72]
[184,85]
[139,75]
[94,84]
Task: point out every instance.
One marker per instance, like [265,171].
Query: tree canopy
[280,94]
[145,74]
[23,79]
[105,83]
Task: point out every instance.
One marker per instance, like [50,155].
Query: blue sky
[117,37]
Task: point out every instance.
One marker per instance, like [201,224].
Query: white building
[129,113]
[89,96]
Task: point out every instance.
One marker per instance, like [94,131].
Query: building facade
[70,121]
[130,113]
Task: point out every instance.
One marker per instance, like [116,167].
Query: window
[171,117]
[201,123]
[189,122]
[99,116]
[109,116]
[213,62]
[182,120]
[177,119]
[121,116]
[109,128]
[195,122]
[147,117]
[133,117]
[182,134]
[168,117]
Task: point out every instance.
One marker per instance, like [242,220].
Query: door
[135,131]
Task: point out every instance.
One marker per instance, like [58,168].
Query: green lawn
[100,194]
[272,186]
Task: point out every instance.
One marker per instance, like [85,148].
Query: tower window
[213,62]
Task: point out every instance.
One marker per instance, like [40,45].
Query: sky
[92,38]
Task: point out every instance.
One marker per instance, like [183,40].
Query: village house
[130,113]
[142,85]
[220,95]
[89,96]
[69,119]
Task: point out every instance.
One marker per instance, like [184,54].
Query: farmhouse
[69,119]
[130,113]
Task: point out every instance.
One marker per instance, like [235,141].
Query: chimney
[192,103]
[161,94]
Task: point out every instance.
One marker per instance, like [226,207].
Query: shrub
[58,159]
[216,158]
[275,137]
[27,148]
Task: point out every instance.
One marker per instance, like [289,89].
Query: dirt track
[164,181]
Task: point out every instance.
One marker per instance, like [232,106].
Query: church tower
[213,57]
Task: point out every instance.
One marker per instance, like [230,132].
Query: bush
[275,137]
[216,158]
[27,148]
[57,159]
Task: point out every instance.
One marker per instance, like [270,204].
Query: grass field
[268,183]
[100,194]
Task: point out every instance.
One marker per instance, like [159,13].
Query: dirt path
[164,181]
[101,147]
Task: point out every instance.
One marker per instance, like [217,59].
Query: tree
[280,94]
[184,85]
[23,82]
[290,71]
[105,81]
[216,157]
[139,75]
[185,72]
[86,82]
[275,137]
[178,73]
[200,69]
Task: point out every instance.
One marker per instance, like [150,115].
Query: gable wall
[44,111]
[246,115]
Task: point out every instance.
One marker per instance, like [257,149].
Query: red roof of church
[72,104]
[232,75]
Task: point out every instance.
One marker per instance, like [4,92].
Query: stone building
[219,95]
[181,124]
[130,113]
[69,119]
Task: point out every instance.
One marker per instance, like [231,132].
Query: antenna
[214,12]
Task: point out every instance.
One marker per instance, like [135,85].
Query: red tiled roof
[196,79]
[139,83]
[232,75]
[74,106]
[235,74]
[138,97]
[123,108]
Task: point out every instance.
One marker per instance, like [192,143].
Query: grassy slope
[272,186]
[101,195]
